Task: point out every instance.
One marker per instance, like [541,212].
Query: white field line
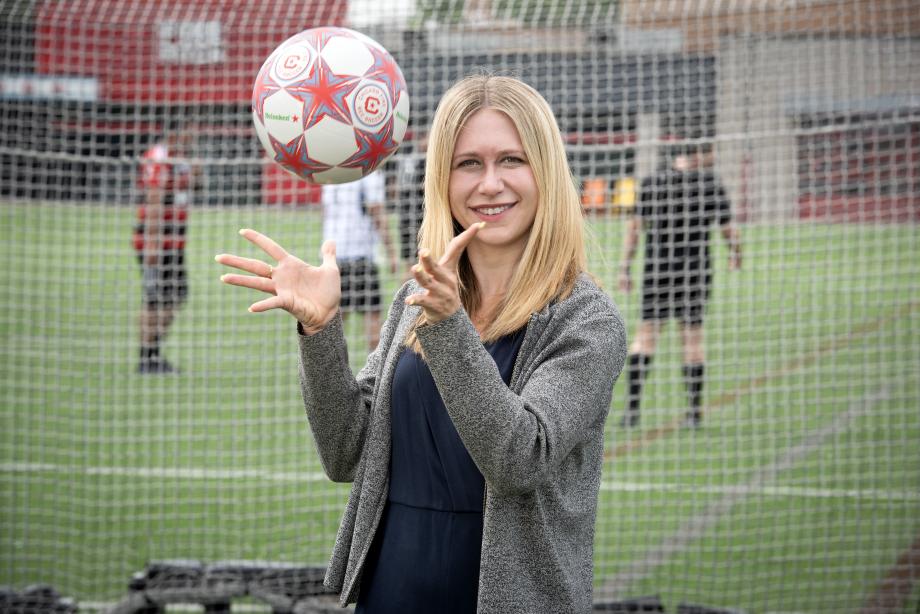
[770,491]
[699,524]
[192,473]
[165,473]
[106,606]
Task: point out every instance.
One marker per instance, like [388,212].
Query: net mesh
[800,491]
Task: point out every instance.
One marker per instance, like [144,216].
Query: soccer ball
[330,105]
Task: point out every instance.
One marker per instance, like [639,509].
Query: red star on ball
[324,95]
[386,70]
[373,148]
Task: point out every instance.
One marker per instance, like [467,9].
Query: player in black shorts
[677,208]
[360,285]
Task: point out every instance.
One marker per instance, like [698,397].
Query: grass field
[799,495]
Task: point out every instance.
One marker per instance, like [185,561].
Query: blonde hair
[555,251]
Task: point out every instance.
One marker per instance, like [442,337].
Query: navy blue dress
[425,554]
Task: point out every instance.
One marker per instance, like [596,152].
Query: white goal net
[133,435]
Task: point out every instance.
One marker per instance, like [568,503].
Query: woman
[474,434]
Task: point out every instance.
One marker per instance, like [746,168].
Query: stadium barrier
[287,589]
[35,599]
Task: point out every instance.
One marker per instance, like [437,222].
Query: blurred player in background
[475,490]
[411,200]
[166,181]
[354,217]
[677,208]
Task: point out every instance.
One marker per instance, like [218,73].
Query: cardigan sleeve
[338,403]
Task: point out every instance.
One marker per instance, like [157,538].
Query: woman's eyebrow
[476,154]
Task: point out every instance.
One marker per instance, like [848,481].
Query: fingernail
[482,225]
[242,230]
[409,301]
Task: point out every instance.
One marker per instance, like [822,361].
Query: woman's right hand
[309,293]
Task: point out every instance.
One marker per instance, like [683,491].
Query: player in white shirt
[354,217]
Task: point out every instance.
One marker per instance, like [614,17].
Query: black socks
[150,353]
[637,369]
[693,380]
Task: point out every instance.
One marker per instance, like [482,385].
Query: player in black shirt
[676,210]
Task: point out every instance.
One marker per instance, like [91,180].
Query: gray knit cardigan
[538,442]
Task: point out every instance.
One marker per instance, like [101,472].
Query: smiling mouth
[494,210]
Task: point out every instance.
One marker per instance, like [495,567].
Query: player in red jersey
[165,181]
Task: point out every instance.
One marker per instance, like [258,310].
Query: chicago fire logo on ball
[371,104]
[292,63]
[330,105]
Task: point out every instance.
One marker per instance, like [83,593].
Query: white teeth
[493,210]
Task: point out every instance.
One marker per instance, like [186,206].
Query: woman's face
[491,181]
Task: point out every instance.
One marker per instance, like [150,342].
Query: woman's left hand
[441,296]
[309,293]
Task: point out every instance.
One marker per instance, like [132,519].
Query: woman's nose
[491,182]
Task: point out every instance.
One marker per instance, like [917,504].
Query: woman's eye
[469,162]
[513,160]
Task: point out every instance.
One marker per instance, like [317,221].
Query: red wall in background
[281,188]
[122,44]
[865,172]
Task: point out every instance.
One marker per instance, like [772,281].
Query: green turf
[812,370]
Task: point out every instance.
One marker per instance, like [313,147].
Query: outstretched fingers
[267,245]
[426,271]
[272,302]
[310,294]
[262,270]
[328,252]
[263,284]
[256,267]
[457,246]
[440,296]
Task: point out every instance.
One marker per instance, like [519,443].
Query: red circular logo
[372,105]
[292,62]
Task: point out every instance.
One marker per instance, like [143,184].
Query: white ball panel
[263,135]
[330,141]
[368,40]
[347,56]
[338,175]
[401,117]
[283,116]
